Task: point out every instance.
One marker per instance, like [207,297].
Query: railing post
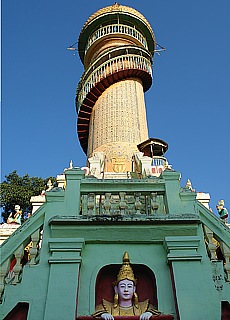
[3,270]
[211,246]
[172,188]
[153,201]
[35,237]
[107,203]
[72,191]
[137,203]
[17,268]
[122,203]
[226,253]
[91,204]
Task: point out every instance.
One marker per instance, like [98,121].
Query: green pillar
[73,191]
[172,188]
[189,280]
[65,261]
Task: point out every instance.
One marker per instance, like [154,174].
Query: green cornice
[129,232]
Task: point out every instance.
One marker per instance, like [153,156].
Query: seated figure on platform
[223,212]
[16,217]
[125,298]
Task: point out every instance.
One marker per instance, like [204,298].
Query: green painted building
[62,261]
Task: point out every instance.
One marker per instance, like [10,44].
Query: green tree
[18,190]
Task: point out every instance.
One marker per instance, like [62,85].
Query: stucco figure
[125,299]
[222,211]
[16,217]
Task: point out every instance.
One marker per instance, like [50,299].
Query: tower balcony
[115,21]
[115,30]
[111,62]
[135,64]
[111,68]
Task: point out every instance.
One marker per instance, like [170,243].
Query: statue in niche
[125,299]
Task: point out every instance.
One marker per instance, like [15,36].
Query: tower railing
[116,29]
[123,62]
[114,53]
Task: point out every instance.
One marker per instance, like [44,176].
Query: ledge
[161,317]
[126,185]
[125,219]
[182,248]
[65,250]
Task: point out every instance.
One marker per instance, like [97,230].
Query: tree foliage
[18,190]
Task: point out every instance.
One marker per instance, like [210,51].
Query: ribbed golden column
[118,123]
[116,46]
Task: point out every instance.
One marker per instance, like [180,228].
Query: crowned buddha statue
[125,298]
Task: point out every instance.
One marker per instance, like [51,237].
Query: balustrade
[122,204]
[213,245]
[114,65]
[116,29]
[226,253]
[3,271]
[34,247]
[210,245]
[12,267]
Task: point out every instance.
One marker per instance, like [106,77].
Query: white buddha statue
[125,298]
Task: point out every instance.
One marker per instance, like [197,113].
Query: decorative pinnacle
[126,271]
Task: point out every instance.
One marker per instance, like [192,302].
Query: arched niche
[146,283]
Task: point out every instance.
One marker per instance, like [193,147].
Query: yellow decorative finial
[126,271]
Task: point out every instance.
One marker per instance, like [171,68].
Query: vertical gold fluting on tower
[118,122]
[116,46]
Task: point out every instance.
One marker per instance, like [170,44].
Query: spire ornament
[126,271]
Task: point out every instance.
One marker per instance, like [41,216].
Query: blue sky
[187,106]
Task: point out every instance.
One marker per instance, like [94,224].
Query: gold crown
[126,271]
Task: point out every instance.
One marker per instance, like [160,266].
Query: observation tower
[116,46]
[63,261]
